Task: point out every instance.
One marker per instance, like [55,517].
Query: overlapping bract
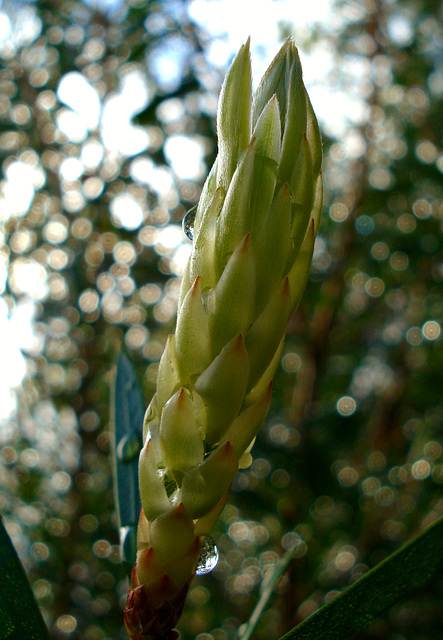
[254,234]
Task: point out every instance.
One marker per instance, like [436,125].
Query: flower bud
[254,234]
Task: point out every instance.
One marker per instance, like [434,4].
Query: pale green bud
[181,433]
[245,427]
[234,116]
[254,235]
[265,334]
[153,494]
[267,137]
[172,534]
[207,194]
[267,131]
[204,485]
[203,260]
[272,244]
[226,377]
[284,79]
[234,296]
[168,380]
[192,340]
[231,225]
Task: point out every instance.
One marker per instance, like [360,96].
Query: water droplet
[188,223]
[208,557]
[129,447]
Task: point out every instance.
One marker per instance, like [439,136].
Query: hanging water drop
[208,557]
[188,223]
[129,447]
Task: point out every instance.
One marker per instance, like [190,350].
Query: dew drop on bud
[208,557]
[188,223]
[129,447]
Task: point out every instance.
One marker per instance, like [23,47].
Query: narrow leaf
[407,569]
[20,616]
[128,409]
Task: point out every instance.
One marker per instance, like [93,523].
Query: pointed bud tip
[251,147]
[145,559]
[180,509]
[228,447]
[195,286]
[290,45]
[286,291]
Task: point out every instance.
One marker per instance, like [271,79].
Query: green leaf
[407,569]
[128,410]
[20,616]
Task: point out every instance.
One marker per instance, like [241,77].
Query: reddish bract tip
[142,518]
[195,286]
[245,242]
[227,447]
[180,509]
[181,396]
[286,287]
[239,343]
[148,554]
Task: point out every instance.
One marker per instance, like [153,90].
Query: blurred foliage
[102,113]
